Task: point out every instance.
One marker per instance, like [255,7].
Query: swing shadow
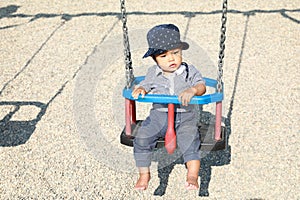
[12,132]
[10,11]
[167,162]
[15,133]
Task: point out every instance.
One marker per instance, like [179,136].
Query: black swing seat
[208,143]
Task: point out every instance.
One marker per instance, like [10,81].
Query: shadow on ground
[10,11]
[208,160]
[14,132]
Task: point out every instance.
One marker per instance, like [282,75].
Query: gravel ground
[61,109]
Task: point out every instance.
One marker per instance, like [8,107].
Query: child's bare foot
[142,183]
[193,167]
[191,183]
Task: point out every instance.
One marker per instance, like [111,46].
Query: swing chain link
[128,62]
[222,47]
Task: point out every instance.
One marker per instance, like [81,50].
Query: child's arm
[137,91]
[145,85]
[186,96]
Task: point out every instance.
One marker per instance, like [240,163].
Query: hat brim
[154,51]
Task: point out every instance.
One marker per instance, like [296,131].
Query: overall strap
[187,70]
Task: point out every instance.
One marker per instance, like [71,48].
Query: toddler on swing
[170,76]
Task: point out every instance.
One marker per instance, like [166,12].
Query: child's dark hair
[154,58]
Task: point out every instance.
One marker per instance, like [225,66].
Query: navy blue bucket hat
[162,38]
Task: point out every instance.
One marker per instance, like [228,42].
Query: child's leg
[144,178]
[193,167]
[144,143]
[188,140]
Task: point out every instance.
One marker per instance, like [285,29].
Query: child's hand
[186,96]
[137,91]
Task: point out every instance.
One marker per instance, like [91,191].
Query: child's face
[169,61]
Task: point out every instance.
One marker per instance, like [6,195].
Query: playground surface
[62,111]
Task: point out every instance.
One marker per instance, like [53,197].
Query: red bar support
[133,111]
[127,117]
[170,138]
[130,115]
[218,121]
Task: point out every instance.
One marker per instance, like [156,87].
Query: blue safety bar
[159,98]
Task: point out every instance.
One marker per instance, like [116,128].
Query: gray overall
[155,125]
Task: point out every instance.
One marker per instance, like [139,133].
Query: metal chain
[128,62]
[222,47]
